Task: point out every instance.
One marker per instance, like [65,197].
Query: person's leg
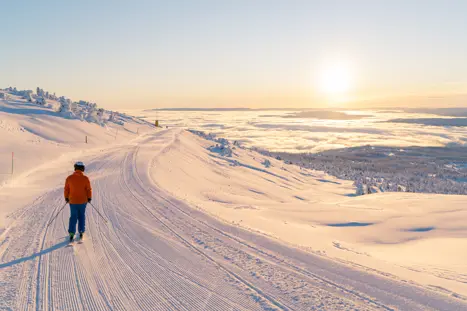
[82,218]
[73,218]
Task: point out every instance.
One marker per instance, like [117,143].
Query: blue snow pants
[77,214]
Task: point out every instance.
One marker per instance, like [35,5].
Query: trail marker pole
[157,118]
[86,139]
[12,162]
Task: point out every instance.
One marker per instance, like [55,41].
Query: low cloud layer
[326,115]
[274,132]
[434,121]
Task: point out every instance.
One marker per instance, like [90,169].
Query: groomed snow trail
[158,253]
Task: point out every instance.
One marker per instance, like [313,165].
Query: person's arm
[66,191]
[88,189]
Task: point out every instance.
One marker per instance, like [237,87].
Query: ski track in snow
[157,253]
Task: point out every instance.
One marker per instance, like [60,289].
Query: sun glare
[336,82]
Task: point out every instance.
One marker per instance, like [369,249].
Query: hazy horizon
[262,54]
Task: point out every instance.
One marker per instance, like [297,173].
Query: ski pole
[53,218]
[98,212]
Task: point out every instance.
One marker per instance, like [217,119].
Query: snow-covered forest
[387,169]
[381,169]
[66,107]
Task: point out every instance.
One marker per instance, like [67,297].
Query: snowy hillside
[30,128]
[35,134]
[394,233]
[195,224]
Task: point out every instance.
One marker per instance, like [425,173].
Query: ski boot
[81,236]
[72,236]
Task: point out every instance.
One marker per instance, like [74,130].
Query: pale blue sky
[231,53]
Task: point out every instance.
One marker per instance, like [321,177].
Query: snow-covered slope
[194,226]
[36,135]
[417,237]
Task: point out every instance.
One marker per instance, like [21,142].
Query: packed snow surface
[199,225]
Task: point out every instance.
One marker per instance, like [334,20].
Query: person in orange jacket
[78,193]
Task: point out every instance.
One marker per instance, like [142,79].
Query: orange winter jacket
[78,188]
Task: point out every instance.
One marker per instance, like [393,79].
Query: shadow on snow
[351,224]
[43,252]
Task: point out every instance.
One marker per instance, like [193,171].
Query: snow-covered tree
[100,114]
[41,101]
[111,117]
[65,107]
[267,163]
[93,115]
[28,97]
[360,187]
[114,118]
[40,92]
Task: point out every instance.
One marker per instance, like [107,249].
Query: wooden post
[157,118]
[86,139]
[12,162]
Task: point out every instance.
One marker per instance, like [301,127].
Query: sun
[336,82]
